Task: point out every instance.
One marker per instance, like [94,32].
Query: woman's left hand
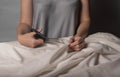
[76,43]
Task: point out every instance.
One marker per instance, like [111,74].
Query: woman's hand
[29,40]
[76,43]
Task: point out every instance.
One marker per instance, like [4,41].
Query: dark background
[105,17]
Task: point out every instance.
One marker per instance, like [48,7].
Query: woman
[57,18]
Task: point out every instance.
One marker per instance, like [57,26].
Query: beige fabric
[101,58]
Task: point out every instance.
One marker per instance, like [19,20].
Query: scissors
[38,35]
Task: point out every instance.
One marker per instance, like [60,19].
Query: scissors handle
[38,35]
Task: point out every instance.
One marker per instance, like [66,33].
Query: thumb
[32,33]
[71,40]
[40,30]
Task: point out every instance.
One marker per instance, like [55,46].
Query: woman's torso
[57,18]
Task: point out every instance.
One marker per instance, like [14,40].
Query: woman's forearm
[23,28]
[83,29]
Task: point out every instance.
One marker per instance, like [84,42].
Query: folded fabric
[99,59]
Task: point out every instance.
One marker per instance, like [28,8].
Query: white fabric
[101,58]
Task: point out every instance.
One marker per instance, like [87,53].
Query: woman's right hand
[25,37]
[29,40]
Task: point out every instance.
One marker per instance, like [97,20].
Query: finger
[75,40]
[39,42]
[80,39]
[79,47]
[71,40]
[74,43]
[32,33]
[40,30]
[75,47]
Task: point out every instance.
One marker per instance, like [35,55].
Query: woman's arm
[25,36]
[85,19]
[26,17]
[77,42]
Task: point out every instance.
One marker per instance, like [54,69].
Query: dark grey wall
[105,16]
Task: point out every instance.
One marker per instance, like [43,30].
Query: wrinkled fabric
[101,58]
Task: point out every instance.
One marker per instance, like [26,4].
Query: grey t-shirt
[57,18]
